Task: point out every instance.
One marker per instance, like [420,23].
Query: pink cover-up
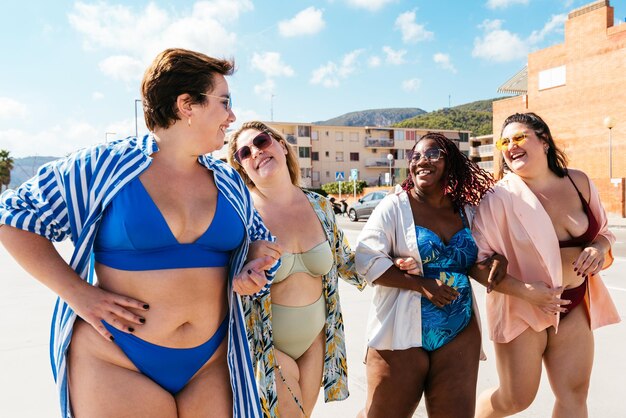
[511,221]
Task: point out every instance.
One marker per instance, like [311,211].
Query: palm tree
[6,165]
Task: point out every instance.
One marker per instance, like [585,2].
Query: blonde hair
[292,158]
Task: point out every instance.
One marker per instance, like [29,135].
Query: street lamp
[106,136]
[390,158]
[136,130]
[609,122]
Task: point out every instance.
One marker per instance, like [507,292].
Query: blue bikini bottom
[170,368]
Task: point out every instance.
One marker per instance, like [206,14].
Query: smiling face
[425,172]
[264,160]
[213,117]
[527,157]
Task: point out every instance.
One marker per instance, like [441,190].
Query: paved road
[27,389]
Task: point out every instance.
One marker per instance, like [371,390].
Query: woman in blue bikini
[165,228]
[423,331]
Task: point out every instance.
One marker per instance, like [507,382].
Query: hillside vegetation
[373,117]
[475,117]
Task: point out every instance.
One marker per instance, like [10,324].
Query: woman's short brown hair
[292,159]
[174,72]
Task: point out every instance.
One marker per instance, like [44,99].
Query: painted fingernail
[575,269]
[249,271]
[111,338]
[142,320]
[146,306]
[131,329]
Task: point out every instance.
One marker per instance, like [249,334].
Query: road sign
[354,174]
[339,176]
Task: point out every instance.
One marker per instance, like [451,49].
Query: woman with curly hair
[424,330]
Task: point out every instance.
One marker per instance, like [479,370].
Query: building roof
[518,84]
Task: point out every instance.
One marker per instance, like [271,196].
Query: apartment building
[481,151]
[579,88]
[325,150]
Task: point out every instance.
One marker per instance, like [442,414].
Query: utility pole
[449,105]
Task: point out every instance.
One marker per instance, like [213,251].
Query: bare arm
[39,258]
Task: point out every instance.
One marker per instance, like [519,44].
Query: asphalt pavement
[27,388]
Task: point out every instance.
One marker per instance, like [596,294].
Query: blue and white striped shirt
[67,198]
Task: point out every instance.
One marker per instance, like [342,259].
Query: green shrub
[346,187]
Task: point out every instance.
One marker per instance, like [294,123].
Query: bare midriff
[299,289]
[186,305]
[570,278]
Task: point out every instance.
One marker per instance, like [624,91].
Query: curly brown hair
[465,182]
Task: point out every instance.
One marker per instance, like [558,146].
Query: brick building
[579,88]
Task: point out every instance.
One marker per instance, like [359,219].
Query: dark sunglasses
[431,154]
[261,142]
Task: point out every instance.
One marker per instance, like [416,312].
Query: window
[305,173]
[304,152]
[339,156]
[304,131]
[339,136]
[327,154]
[327,174]
[315,136]
[354,156]
[315,175]
[315,156]
[354,136]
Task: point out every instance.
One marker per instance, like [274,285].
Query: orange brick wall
[594,53]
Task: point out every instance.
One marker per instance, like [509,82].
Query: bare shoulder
[581,180]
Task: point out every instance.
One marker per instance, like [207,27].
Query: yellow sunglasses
[518,139]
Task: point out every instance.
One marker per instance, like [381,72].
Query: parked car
[365,205]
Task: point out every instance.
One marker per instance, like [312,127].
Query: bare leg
[208,393]
[311,365]
[568,361]
[451,384]
[395,381]
[519,369]
[104,383]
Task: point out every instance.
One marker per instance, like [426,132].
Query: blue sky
[70,71]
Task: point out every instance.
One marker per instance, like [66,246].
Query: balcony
[291,139]
[378,142]
[486,165]
[485,150]
[379,163]
[304,141]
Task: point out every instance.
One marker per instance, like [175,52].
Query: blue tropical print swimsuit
[450,263]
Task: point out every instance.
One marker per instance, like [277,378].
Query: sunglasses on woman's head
[261,142]
[518,139]
[431,154]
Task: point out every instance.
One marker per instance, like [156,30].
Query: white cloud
[371,5]
[331,74]
[96,95]
[122,67]
[373,61]
[502,4]
[244,115]
[11,109]
[307,22]
[265,89]
[412,31]
[58,141]
[394,57]
[500,45]
[444,61]
[555,24]
[271,64]
[143,33]
[411,85]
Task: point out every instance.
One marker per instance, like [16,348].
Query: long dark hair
[464,182]
[557,160]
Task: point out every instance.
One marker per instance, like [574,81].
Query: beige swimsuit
[294,328]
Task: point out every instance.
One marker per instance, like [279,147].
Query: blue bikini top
[133,235]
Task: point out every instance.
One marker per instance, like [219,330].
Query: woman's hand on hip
[95,305]
[546,298]
[251,278]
